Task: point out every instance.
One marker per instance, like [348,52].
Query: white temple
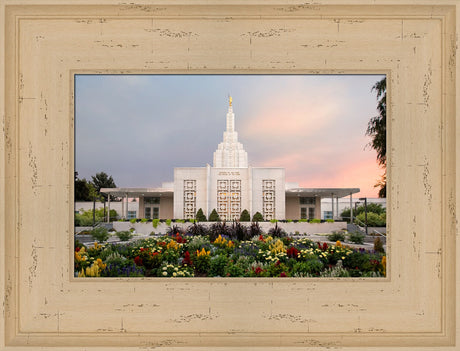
[230,186]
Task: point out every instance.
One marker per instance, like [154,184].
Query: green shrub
[273,220]
[124,235]
[100,234]
[356,237]
[308,268]
[168,222]
[214,216]
[315,220]
[303,220]
[144,220]
[218,265]
[133,220]
[200,217]
[329,220]
[336,236]
[155,222]
[257,217]
[85,218]
[245,216]
[373,219]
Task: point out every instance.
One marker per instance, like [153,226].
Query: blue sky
[137,128]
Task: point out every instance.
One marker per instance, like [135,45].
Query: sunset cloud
[138,128]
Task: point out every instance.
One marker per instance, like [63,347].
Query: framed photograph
[47,44]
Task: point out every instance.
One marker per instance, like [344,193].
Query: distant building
[229,186]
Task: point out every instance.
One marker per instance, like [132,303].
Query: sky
[137,128]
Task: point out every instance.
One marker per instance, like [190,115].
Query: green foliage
[144,220]
[308,268]
[133,220]
[245,216]
[102,180]
[356,237]
[376,129]
[257,217]
[314,220]
[200,217]
[124,235]
[371,207]
[336,236]
[81,190]
[180,221]
[329,220]
[218,265]
[168,222]
[100,234]
[86,218]
[273,220]
[155,222]
[214,216]
[373,219]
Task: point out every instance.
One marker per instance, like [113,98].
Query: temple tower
[230,153]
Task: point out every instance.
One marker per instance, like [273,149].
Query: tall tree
[377,130]
[102,180]
[82,190]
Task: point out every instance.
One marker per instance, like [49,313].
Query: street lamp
[365,210]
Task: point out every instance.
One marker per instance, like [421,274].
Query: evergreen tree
[257,217]
[200,217]
[214,216]
[245,217]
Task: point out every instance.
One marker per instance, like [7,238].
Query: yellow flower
[277,247]
[231,244]
[203,252]
[384,265]
[172,245]
[338,243]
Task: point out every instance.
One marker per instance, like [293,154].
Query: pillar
[108,208]
[351,207]
[332,203]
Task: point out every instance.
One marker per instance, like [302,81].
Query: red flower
[277,263]
[138,261]
[324,247]
[186,260]
[258,270]
[77,249]
[292,252]
[261,238]
[283,274]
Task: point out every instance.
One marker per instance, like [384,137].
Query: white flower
[165,268]
[165,273]
[176,269]
[174,274]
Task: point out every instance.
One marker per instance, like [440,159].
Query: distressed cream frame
[47,41]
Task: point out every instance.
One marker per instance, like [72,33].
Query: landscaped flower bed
[186,255]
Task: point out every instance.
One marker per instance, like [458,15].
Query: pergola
[126,193]
[326,193]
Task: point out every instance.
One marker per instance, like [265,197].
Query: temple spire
[230,152]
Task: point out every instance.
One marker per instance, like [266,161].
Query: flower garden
[189,254]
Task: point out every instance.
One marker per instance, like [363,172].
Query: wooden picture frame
[46,42]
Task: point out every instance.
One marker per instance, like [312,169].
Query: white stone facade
[229,191]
